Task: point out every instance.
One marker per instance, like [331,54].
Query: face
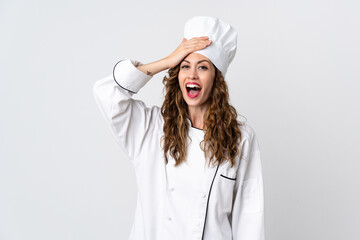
[196,78]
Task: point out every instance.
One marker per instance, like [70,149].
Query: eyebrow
[198,61]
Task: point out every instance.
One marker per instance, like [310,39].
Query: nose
[193,73]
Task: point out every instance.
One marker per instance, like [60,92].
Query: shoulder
[247,131]
[249,142]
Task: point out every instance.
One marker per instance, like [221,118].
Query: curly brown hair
[222,134]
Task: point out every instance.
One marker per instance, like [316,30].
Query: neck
[197,116]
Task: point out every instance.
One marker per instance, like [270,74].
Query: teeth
[192,86]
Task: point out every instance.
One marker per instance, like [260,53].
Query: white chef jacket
[191,201]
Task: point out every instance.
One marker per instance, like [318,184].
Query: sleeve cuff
[128,76]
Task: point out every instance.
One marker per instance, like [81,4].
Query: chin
[194,103]
[191,102]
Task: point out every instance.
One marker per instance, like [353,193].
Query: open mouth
[193,89]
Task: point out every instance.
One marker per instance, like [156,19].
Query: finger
[202,37]
[199,44]
[193,48]
[194,42]
[197,39]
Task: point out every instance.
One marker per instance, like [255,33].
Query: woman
[198,169]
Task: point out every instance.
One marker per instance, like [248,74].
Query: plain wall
[295,78]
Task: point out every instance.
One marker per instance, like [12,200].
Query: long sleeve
[248,208]
[129,120]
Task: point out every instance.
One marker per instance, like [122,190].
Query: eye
[184,66]
[203,67]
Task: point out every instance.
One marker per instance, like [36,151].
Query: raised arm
[185,48]
[129,120]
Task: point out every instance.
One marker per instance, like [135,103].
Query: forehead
[195,57]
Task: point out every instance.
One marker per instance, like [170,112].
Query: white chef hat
[222,50]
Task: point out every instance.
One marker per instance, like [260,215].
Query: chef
[198,168]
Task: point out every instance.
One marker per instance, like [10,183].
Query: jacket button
[204,195]
[172,189]
[169,218]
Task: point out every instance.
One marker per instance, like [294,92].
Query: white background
[295,78]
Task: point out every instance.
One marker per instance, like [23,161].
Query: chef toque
[222,50]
